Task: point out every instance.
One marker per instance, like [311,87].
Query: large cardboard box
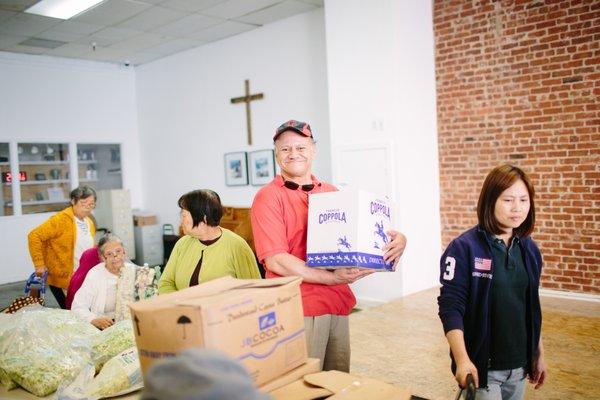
[259,322]
[348,229]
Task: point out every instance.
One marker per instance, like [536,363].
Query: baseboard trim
[570,295]
[368,302]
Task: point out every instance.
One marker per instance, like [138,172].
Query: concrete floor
[402,343]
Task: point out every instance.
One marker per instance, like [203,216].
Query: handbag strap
[36,280]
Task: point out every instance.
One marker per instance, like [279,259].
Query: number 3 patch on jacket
[450,265]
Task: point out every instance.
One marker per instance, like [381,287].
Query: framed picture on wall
[262,167]
[236,169]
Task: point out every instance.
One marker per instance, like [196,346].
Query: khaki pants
[328,339]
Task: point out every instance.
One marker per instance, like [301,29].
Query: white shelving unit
[57,167]
[40,202]
[41,182]
[44,163]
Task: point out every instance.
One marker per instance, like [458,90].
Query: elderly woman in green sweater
[207,251]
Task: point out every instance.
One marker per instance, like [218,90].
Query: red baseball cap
[292,125]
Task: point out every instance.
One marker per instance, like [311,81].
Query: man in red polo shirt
[279,223]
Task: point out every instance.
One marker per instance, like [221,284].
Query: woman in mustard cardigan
[56,245]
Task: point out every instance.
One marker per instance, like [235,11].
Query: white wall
[187,122]
[361,75]
[60,100]
[381,84]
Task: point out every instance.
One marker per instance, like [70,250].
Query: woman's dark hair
[82,192]
[204,205]
[497,181]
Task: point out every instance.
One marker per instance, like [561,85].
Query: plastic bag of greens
[77,388]
[7,325]
[41,369]
[5,380]
[121,374]
[111,342]
[42,347]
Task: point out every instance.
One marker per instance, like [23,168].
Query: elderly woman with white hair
[99,300]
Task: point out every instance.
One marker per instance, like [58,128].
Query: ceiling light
[63,9]
[43,43]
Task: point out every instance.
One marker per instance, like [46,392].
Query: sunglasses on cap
[294,186]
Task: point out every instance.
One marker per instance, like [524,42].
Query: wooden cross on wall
[247,99]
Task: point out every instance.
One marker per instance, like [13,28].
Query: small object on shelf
[39,196]
[86,155]
[91,173]
[49,157]
[55,173]
[3,159]
[7,176]
[56,194]
[40,176]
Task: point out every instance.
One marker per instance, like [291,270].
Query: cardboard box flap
[339,386]
[311,366]
[350,387]
[262,283]
[257,285]
[299,390]
[180,297]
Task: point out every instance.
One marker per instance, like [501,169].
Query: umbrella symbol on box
[183,321]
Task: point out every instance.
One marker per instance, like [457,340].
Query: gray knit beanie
[200,374]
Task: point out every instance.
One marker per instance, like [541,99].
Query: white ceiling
[137,31]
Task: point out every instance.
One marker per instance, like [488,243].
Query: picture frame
[261,167]
[236,168]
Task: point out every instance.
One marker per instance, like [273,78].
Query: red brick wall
[519,82]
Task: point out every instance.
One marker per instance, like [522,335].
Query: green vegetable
[40,347]
[5,380]
[41,369]
[119,373]
[112,341]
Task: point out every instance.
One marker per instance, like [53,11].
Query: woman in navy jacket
[489,303]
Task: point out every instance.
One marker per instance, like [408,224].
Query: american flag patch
[483,264]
